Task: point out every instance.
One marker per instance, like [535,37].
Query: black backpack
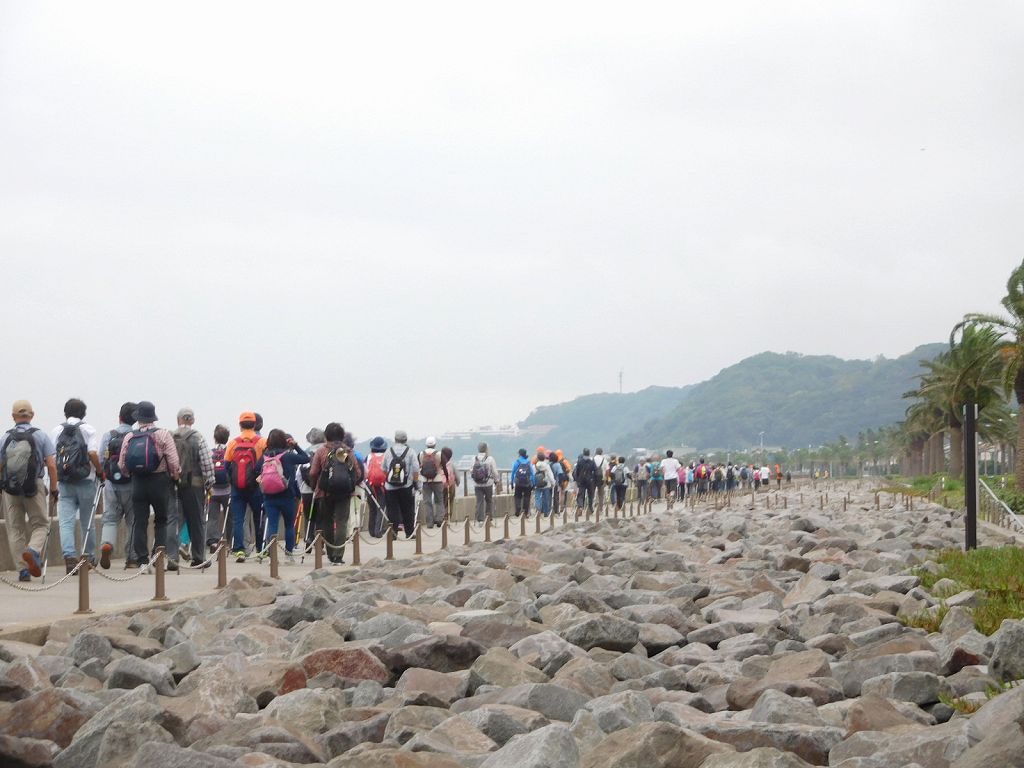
[586,470]
[398,473]
[480,472]
[21,463]
[730,475]
[339,477]
[522,478]
[72,454]
[112,459]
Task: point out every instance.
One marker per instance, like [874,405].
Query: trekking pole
[86,534]
[46,542]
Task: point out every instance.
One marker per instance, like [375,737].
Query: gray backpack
[188,456]
[21,463]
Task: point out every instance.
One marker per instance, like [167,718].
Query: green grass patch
[999,573]
[928,620]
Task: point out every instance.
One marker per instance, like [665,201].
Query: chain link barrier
[45,587]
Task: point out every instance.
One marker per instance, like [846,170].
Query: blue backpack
[141,457]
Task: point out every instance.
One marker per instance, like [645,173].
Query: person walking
[244,456]
[484,474]
[585,475]
[670,472]
[451,482]
[335,474]
[403,470]
[433,484]
[376,477]
[149,457]
[26,453]
[117,494]
[281,461]
[314,439]
[523,478]
[77,457]
[195,480]
[641,477]
[544,483]
[620,482]
[602,464]
[220,493]
[558,471]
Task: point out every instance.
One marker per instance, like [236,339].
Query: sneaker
[196,562]
[32,564]
[130,564]
[23,575]
[184,551]
[70,563]
[289,558]
[105,551]
[172,565]
[240,556]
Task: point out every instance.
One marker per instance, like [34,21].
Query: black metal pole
[971,474]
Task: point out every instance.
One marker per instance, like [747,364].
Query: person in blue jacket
[523,479]
[282,448]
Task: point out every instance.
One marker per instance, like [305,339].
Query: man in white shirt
[602,475]
[670,471]
[78,466]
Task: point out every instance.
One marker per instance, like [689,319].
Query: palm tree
[971,370]
[1011,349]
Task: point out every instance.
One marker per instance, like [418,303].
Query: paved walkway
[20,609]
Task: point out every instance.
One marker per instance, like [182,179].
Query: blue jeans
[281,507]
[253,499]
[75,502]
[542,498]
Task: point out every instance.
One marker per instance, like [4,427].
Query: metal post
[506,527]
[355,548]
[537,519]
[318,550]
[83,586]
[161,591]
[551,521]
[487,528]
[389,543]
[971,474]
[222,564]
[468,530]
[444,535]
[522,525]
[419,539]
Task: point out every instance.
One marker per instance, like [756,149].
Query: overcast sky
[440,215]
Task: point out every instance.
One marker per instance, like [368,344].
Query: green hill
[794,399]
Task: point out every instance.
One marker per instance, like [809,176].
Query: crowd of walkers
[244,489]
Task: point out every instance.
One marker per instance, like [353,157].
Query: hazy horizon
[434,217]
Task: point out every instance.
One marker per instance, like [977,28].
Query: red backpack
[375,474]
[243,463]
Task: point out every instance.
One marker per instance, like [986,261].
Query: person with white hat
[432,477]
[402,469]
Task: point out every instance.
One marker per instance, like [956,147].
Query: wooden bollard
[507,535]
[83,586]
[318,550]
[615,512]
[821,502]
[522,525]
[389,543]
[844,504]
[419,539]
[801,497]
[356,560]
[487,528]
[551,522]
[222,564]
[877,502]
[767,502]
[161,588]
[536,517]
[785,502]
[274,565]
[444,535]
[468,530]
[597,514]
